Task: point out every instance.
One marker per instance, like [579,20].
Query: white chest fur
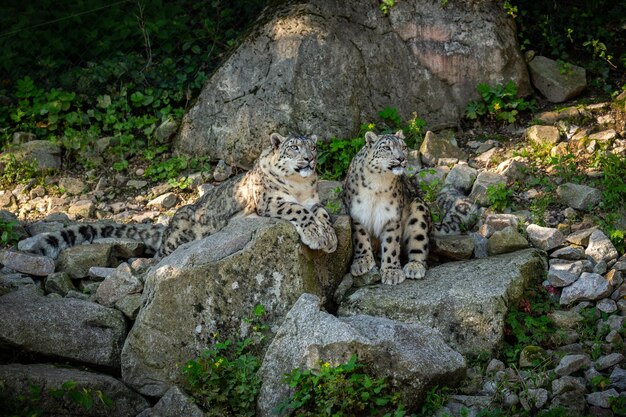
[372,208]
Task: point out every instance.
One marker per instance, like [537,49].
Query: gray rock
[17,228]
[461,177]
[453,247]
[223,171]
[136,184]
[100,272]
[22,137]
[476,303]
[82,209]
[7,200]
[533,398]
[27,263]
[44,153]
[589,287]
[272,81]
[505,241]
[68,329]
[601,248]
[570,253]
[59,283]
[434,148]
[72,186]
[117,286]
[494,366]
[412,357]
[166,130]
[566,319]
[122,247]
[484,180]
[606,361]
[480,245]
[555,85]
[176,403]
[501,221]
[531,356]
[13,281]
[563,273]
[544,238]
[602,398]
[164,201]
[543,135]
[571,401]
[618,379]
[130,305]
[608,135]
[513,169]
[213,284]
[607,305]
[77,260]
[578,196]
[568,383]
[581,237]
[18,380]
[36,228]
[570,364]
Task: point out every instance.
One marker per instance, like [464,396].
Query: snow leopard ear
[400,134]
[276,140]
[370,138]
[313,138]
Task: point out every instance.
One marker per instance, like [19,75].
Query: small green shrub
[498,102]
[17,172]
[436,398]
[528,323]
[339,391]
[614,186]
[7,233]
[499,196]
[224,379]
[334,157]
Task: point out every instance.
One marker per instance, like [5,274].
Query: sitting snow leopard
[385,205]
[282,184]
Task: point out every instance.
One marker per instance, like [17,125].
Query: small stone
[556,86]
[581,237]
[117,286]
[484,180]
[82,209]
[72,186]
[605,362]
[544,238]
[14,281]
[494,366]
[601,398]
[501,221]
[27,263]
[77,260]
[608,135]
[600,268]
[453,247]
[513,169]
[606,305]
[571,401]
[100,272]
[532,356]
[164,201]
[621,305]
[570,253]
[77,295]
[600,247]
[567,384]
[543,135]
[129,305]
[533,398]
[614,337]
[589,286]
[204,188]
[506,240]
[565,319]
[572,363]
[222,172]
[510,399]
[59,283]
[618,379]
[434,147]
[136,184]
[461,177]
[563,273]
[166,130]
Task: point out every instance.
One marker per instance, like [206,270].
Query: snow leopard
[282,184]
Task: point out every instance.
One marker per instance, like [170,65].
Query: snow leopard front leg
[417,227]
[363,260]
[304,220]
[323,220]
[390,266]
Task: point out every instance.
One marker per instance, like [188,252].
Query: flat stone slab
[466,301]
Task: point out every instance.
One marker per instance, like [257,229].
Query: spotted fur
[457,213]
[385,206]
[282,184]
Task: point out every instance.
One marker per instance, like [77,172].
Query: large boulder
[412,357]
[213,284]
[64,328]
[18,381]
[467,300]
[326,66]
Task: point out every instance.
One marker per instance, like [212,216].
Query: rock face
[65,328]
[466,301]
[18,379]
[211,285]
[326,66]
[413,357]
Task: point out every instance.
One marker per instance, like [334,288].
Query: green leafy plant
[614,188]
[84,397]
[17,172]
[224,379]
[386,5]
[499,196]
[498,102]
[8,236]
[528,323]
[334,157]
[339,391]
[436,398]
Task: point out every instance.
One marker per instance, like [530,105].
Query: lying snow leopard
[385,205]
[282,184]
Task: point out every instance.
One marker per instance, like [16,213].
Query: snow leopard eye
[294,147]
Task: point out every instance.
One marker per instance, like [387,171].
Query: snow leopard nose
[401,160]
